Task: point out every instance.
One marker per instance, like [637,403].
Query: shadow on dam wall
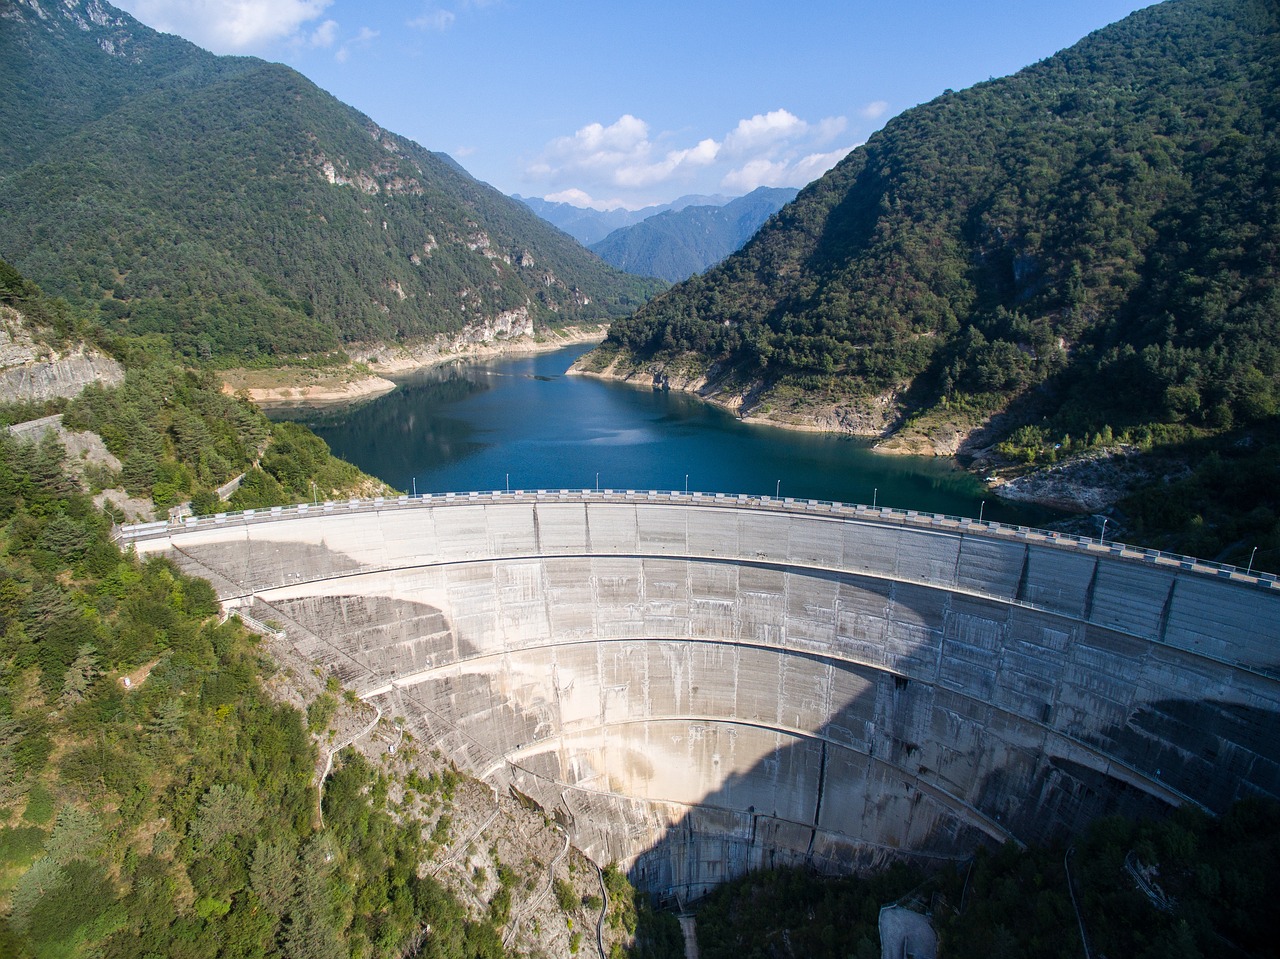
[700,692]
[1047,798]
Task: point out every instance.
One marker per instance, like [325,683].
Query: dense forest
[176,434]
[1089,246]
[175,814]
[1209,888]
[275,222]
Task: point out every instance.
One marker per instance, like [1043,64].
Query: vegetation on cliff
[172,814]
[1213,881]
[1102,224]
[233,206]
[176,434]
[1089,245]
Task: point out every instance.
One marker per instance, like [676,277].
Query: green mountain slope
[676,244]
[1090,244]
[233,205]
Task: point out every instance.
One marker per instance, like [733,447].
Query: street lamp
[686,484]
[597,482]
[314,500]
[1103,540]
[875,493]
[981,507]
[1249,571]
[508,482]
[777,492]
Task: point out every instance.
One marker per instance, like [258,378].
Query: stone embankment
[1088,483]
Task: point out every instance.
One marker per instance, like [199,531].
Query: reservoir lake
[524,424]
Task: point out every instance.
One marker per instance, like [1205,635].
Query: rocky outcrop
[85,450]
[31,372]
[1092,482]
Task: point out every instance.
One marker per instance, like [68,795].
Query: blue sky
[621,103]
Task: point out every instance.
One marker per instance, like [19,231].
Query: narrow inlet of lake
[524,424]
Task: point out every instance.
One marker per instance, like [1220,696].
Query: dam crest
[696,685]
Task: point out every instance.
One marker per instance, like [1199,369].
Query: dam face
[700,685]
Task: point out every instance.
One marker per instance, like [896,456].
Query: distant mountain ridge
[676,244]
[589,226]
[233,206]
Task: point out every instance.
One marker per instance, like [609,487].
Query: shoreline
[373,367]
[1090,483]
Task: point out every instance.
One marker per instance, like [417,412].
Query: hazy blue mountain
[676,244]
[589,226]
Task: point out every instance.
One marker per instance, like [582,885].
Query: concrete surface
[906,935]
[695,686]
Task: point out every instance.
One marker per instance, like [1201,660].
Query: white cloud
[626,135]
[797,173]
[325,34]
[628,158]
[621,154]
[829,128]
[583,200]
[228,26]
[764,129]
[755,173]
[434,19]
[809,168]
[644,174]
[362,39]
[874,110]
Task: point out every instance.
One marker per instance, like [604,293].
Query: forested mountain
[589,226]
[236,207]
[676,244]
[1090,244]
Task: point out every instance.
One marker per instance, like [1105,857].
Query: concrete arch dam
[699,685]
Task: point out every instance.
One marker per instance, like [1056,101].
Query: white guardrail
[136,532]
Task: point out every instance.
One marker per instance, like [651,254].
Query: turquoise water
[523,424]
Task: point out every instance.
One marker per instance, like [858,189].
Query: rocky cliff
[32,372]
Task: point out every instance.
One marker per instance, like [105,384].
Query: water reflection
[524,423]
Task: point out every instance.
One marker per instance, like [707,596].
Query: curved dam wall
[698,685]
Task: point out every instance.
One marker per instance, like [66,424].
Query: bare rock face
[31,372]
[505,326]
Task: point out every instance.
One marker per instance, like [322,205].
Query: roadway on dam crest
[695,685]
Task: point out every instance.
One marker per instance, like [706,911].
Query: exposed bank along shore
[1090,483]
[372,365]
